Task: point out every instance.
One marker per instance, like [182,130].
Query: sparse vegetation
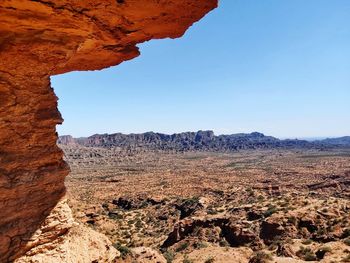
[307,242]
[306,254]
[260,257]
[169,256]
[182,246]
[187,260]
[124,251]
[224,243]
[216,207]
[270,211]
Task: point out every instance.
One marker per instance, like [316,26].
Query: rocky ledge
[40,38]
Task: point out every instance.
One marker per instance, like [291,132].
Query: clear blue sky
[278,67]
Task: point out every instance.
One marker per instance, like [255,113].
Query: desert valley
[197,197]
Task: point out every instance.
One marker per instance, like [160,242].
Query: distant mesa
[199,141]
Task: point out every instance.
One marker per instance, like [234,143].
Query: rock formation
[188,141]
[40,38]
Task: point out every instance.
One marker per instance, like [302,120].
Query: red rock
[44,38]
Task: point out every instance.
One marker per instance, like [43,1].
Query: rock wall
[40,38]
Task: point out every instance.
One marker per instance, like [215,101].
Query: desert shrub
[124,251]
[143,204]
[270,211]
[310,257]
[211,211]
[196,230]
[321,231]
[187,260]
[138,223]
[115,216]
[306,253]
[224,243]
[306,242]
[182,246]
[169,256]
[200,244]
[292,220]
[260,198]
[191,200]
[131,222]
[260,257]
[250,191]
[126,234]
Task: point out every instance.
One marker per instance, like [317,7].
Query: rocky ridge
[194,141]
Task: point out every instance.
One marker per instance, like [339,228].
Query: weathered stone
[237,236]
[41,38]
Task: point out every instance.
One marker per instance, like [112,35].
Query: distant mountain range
[341,141]
[199,141]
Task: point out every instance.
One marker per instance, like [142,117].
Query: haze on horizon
[276,67]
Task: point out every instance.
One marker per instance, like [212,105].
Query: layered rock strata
[40,38]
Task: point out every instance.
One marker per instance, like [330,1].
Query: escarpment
[40,38]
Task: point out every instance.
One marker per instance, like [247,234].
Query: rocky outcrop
[188,206]
[60,239]
[147,255]
[188,226]
[31,165]
[40,38]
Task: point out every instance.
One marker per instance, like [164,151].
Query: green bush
[169,256]
[224,243]
[270,211]
[199,245]
[292,220]
[182,246]
[124,251]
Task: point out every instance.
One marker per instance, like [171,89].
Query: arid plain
[246,206]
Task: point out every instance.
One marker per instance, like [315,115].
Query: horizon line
[314,138]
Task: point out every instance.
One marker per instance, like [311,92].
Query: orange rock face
[40,38]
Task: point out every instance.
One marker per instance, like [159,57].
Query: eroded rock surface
[41,38]
[60,239]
